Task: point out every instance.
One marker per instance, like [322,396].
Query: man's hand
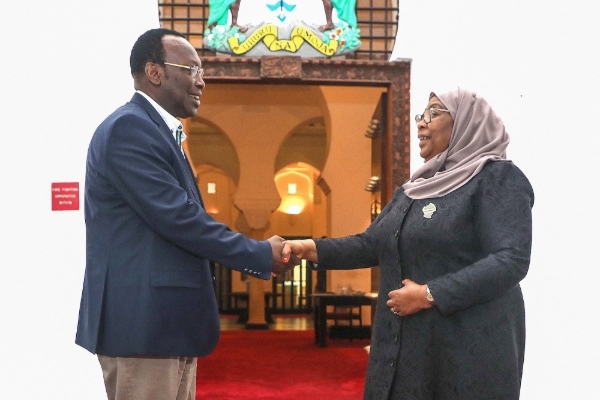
[281,262]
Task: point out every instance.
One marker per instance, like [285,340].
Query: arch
[306,143]
[306,210]
[295,185]
[210,145]
[218,190]
[392,76]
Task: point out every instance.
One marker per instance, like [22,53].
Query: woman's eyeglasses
[428,115]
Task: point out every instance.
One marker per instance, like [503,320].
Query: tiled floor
[229,323]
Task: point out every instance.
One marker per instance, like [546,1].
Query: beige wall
[348,169]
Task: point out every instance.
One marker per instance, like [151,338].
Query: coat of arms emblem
[306,28]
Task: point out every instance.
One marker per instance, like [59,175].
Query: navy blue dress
[472,252]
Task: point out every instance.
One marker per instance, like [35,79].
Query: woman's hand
[305,249]
[409,299]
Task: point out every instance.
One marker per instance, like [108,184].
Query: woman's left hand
[409,299]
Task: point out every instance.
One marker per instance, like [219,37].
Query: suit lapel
[190,178]
[190,181]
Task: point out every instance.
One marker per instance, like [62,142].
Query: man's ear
[153,72]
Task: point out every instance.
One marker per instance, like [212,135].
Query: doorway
[388,154]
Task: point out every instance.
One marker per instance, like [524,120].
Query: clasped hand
[283,261]
[409,299]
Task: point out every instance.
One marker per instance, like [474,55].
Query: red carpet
[287,365]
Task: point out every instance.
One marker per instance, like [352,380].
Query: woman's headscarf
[478,136]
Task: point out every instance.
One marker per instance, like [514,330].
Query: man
[148,307]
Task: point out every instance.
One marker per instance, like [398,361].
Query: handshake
[288,253]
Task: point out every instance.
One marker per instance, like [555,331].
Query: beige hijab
[478,136]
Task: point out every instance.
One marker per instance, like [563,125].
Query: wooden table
[270,300]
[322,300]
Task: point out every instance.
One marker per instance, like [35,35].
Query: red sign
[65,196]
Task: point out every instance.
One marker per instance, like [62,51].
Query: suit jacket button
[396,233]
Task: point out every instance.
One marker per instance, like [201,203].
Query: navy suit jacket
[148,287]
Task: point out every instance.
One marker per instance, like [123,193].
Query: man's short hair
[149,48]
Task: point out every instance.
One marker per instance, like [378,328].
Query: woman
[452,246]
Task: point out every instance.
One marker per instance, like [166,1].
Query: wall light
[292,188]
[373,129]
[211,188]
[212,211]
[373,184]
[292,205]
[293,209]
[375,210]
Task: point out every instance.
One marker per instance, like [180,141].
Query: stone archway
[394,76]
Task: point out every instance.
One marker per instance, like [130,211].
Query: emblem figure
[219,10]
[346,10]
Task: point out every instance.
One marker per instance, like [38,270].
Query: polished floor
[283,323]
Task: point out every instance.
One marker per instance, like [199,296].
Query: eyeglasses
[428,115]
[195,71]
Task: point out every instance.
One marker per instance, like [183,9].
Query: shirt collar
[171,121]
